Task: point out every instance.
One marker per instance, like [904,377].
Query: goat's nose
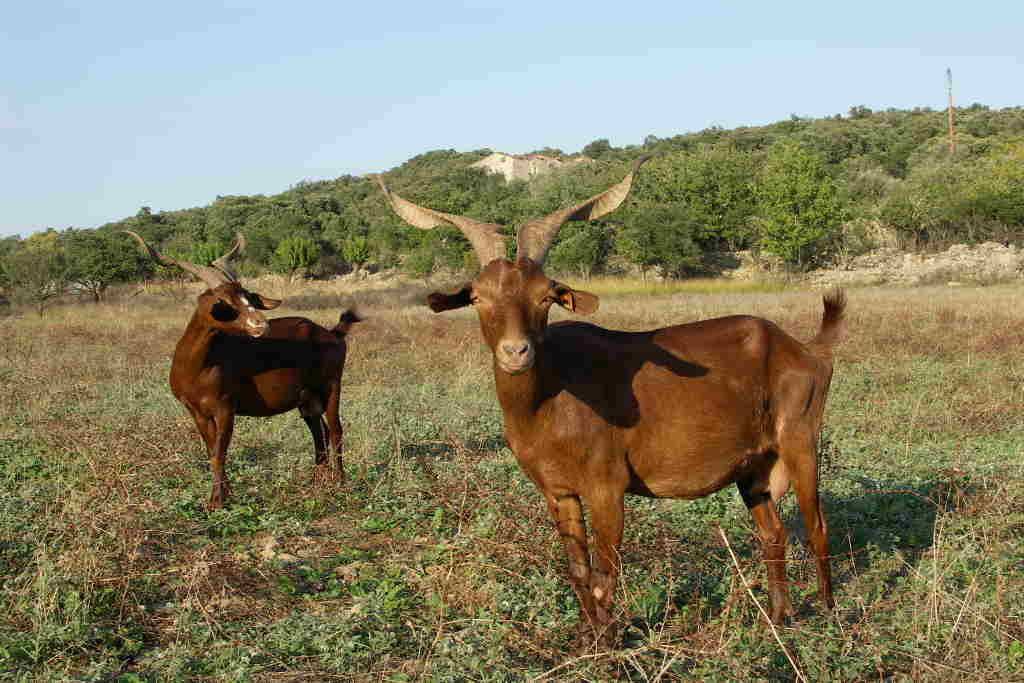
[516,348]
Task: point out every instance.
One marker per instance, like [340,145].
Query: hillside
[807,191]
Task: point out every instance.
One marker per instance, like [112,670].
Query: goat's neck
[521,396]
[194,346]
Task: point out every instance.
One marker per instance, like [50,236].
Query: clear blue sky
[109,106]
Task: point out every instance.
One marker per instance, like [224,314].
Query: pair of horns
[535,238]
[217,273]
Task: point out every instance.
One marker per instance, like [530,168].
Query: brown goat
[679,412]
[232,361]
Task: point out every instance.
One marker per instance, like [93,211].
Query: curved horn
[486,238]
[223,263]
[211,276]
[535,237]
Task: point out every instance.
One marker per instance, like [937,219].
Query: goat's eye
[223,311]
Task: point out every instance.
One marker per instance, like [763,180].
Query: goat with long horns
[679,412]
[232,361]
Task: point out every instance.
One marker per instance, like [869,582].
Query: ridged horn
[535,237]
[224,262]
[213,277]
[486,238]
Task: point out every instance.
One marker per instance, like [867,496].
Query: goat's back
[687,406]
[733,345]
[295,328]
[294,351]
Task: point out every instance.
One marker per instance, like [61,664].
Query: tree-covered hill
[805,190]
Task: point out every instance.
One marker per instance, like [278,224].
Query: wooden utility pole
[949,87]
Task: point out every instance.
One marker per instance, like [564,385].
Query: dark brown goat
[232,361]
[679,412]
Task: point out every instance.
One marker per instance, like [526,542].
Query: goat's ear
[445,302]
[263,303]
[577,301]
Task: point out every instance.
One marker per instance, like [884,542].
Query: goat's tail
[347,319]
[831,324]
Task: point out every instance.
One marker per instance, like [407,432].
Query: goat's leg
[335,434]
[568,515]
[316,428]
[312,410]
[804,472]
[207,430]
[606,519]
[224,424]
[773,543]
[798,447]
[322,470]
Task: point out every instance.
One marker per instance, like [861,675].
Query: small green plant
[356,250]
[294,254]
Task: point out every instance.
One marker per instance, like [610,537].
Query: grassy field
[435,561]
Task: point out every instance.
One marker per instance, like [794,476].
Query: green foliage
[421,262]
[582,249]
[597,149]
[8,245]
[356,250]
[712,187]
[205,253]
[718,190]
[996,192]
[977,199]
[799,207]
[660,236]
[36,270]
[98,258]
[859,112]
[294,254]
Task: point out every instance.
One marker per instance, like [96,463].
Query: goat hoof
[219,498]
[596,638]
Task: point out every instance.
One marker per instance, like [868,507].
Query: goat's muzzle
[256,328]
[515,356]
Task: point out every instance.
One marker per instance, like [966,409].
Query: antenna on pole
[949,88]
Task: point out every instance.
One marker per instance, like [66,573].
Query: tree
[943,201]
[799,207]
[421,262]
[859,111]
[711,191]
[662,236]
[36,269]
[294,254]
[582,249]
[996,191]
[96,259]
[7,246]
[549,152]
[597,148]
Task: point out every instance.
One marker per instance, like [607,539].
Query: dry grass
[435,561]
